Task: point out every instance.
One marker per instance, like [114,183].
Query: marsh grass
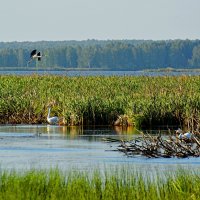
[98,100]
[118,184]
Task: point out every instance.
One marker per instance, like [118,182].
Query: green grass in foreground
[120,184]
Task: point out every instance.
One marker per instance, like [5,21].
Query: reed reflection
[125,130]
[71,131]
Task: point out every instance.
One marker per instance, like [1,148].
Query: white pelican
[35,55]
[52,120]
[182,135]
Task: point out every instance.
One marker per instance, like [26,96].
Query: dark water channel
[27,147]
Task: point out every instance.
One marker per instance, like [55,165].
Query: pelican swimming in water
[52,120]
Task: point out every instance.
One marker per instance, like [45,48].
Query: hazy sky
[35,20]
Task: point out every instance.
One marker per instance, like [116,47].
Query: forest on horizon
[103,54]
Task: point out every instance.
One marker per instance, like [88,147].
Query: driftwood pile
[158,146]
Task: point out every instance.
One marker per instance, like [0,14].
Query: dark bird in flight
[35,55]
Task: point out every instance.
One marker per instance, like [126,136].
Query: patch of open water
[100,73]
[28,147]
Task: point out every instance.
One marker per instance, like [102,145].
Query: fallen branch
[157,146]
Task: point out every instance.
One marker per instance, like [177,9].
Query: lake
[21,148]
[104,73]
[25,147]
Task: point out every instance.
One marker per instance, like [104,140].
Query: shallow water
[43,147]
[101,73]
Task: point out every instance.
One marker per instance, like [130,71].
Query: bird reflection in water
[124,130]
[71,131]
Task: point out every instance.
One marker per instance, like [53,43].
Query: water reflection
[103,73]
[65,130]
[73,131]
[125,130]
[47,146]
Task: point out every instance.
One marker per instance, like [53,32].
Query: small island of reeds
[98,100]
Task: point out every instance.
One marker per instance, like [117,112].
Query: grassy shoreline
[120,184]
[138,101]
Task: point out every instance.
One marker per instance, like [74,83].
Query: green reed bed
[143,101]
[121,184]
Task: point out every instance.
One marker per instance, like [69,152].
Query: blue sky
[25,20]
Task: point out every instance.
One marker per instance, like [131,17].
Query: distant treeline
[107,54]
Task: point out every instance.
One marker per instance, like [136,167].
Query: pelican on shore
[182,135]
[52,120]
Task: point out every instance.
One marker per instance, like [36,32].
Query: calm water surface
[104,73]
[44,147]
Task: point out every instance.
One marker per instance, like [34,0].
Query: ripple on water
[22,148]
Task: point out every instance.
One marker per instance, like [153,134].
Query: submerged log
[157,146]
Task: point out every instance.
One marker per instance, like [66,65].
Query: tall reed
[98,100]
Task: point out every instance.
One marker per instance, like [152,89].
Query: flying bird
[35,55]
